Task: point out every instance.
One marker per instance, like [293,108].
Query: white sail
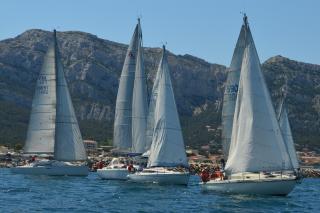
[41,129]
[139,103]
[68,141]
[167,149]
[152,105]
[287,135]
[231,89]
[122,133]
[256,142]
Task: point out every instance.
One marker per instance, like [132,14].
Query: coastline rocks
[310,173]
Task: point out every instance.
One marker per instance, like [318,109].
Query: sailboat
[53,127]
[131,110]
[258,161]
[167,163]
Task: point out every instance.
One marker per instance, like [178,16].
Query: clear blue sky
[204,28]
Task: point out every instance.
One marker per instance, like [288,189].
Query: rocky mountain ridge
[93,66]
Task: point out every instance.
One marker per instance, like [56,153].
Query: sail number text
[232,89]
[42,84]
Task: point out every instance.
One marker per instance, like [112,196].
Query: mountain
[93,66]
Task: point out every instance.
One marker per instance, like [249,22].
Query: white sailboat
[53,127]
[131,109]
[116,170]
[167,163]
[258,161]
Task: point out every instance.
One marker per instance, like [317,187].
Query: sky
[207,29]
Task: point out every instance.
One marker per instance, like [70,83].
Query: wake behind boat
[167,152]
[53,127]
[259,161]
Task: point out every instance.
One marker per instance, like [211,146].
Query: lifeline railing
[284,174]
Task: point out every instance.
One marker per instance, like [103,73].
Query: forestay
[122,134]
[256,142]
[287,135]
[139,102]
[41,128]
[231,89]
[167,149]
[68,141]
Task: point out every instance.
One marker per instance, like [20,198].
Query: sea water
[23,193]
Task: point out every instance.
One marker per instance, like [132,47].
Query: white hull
[54,170]
[113,173]
[262,187]
[176,178]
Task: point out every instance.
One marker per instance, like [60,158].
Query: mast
[231,87]
[139,102]
[122,133]
[41,128]
[167,147]
[68,140]
[256,143]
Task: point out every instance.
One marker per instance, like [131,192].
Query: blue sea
[19,193]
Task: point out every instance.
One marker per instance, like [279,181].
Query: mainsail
[68,141]
[41,128]
[256,143]
[287,135]
[231,88]
[167,147]
[152,105]
[139,102]
[122,133]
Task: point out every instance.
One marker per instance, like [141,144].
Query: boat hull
[262,187]
[161,178]
[63,170]
[113,174]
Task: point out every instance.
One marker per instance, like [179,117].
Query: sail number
[42,79]
[43,89]
[232,89]
[42,84]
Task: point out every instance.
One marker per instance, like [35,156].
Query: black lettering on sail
[42,87]
[42,79]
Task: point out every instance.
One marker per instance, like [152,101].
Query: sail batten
[167,149]
[122,134]
[256,143]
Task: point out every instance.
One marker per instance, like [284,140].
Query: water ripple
[20,193]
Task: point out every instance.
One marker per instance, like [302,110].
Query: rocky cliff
[93,67]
